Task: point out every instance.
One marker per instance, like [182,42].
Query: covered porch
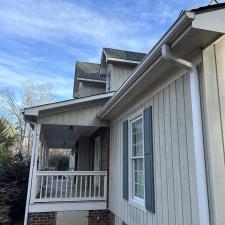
[82,177]
[74,133]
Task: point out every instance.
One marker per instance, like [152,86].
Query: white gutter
[198,135]
[151,58]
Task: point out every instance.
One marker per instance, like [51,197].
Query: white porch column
[32,173]
[35,151]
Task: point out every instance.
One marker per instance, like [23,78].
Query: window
[108,81]
[137,160]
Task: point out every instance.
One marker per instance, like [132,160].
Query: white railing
[55,186]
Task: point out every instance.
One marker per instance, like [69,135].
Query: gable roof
[88,70]
[124,55]
[190,32]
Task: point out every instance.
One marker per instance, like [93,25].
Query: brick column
[105,135]
[44,218]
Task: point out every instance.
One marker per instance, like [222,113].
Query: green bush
[14,173]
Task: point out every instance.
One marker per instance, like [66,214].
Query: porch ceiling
[64,136]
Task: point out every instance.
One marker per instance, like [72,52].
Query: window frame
[135,200]
[109,80]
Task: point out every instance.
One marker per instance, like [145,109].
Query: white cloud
[13,78]
[52,21]
[77,30]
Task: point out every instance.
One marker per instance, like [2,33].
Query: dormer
[87,80]
[118,66]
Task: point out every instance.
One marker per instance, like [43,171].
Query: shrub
[14,173]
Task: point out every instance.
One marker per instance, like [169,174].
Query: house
[146,132]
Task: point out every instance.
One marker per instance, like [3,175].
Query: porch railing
[55,186]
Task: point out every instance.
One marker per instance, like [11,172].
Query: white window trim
[109,87]
[134,200]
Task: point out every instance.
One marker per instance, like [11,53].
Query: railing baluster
[66,186]
[94,185]
[99,185]
[81,181]
[56,189]
[85,187]
[105,186]
[76,186]
[46,186]
[51,187]
[41,187]
[71,186]
[61,187]
[90,178]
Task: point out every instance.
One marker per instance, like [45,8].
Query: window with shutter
[138,164]
[149,163]
[125,160]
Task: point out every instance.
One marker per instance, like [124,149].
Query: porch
[74,133]
[83,176]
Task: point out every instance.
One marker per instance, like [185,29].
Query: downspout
[30,175]
[198,134]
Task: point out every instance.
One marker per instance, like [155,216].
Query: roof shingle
[125,55]
[88,70]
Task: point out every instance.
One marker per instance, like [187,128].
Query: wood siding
[93,89]
[213,93]
[119,74]
[89,88]
[174,162]
[82,116]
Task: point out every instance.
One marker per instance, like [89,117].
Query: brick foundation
[45,218]
[100,217]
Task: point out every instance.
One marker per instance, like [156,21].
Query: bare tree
[11,104]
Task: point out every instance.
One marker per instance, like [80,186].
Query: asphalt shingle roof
[88,70]
[125,55]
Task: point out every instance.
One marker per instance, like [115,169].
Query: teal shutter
[125,160]
[149,164]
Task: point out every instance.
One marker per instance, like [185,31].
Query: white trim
[199,149]
[63,173]
[36,149]
[30,175]
[33,111]
[67,206]
[109,87]
[122,60]
[91,80]
[134,200]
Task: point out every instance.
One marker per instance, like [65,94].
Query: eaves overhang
[184,40]
[31,114]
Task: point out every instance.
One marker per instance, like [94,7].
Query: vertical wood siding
[119,74]
[213,90]
[174,165]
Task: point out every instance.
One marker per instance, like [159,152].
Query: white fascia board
[64,206]
[34,111]
[91,80]
[123,60]
[150,60]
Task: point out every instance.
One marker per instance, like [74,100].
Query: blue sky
[40,40]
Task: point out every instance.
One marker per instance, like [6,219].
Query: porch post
[35,149]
